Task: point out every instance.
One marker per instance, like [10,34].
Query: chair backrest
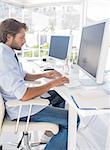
[2,111]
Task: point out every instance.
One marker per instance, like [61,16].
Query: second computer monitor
[93,50]
[59,46]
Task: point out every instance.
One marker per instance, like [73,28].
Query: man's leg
[58,116]
[57,101]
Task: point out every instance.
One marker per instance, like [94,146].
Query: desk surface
[99,100]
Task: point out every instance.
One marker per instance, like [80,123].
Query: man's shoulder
[5,50]
[2,46]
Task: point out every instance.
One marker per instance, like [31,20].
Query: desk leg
[72,128]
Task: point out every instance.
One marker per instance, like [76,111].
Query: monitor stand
[86,80]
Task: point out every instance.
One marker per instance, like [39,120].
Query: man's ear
[9,39]
[9,36]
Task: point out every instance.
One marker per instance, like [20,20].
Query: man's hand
[59,81]
[52,74]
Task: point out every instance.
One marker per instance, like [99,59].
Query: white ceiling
[39,3]
[36,3]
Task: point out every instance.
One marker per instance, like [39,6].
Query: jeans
[54,114]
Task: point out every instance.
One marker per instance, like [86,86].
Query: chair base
[23,144]
[25,139]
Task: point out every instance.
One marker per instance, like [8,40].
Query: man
[12,84]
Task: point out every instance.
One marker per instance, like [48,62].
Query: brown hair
[10,26]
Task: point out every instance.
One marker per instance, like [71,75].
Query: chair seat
[9,126]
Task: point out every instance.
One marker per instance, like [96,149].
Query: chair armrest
[34,101]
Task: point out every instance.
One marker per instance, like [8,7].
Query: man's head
[12,33]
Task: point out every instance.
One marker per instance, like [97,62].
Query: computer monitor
[60,46]
[93,50]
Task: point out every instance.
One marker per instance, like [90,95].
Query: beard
[15,46]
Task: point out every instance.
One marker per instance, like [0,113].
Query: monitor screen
[59,46]
[93,50]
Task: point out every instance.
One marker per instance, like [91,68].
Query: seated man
[12,84]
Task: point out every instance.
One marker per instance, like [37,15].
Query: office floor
[92,135]
[9,141]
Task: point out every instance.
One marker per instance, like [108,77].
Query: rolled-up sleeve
[19,89]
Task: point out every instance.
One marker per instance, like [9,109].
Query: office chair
[20,126]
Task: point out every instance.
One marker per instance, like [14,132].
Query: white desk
[74,110]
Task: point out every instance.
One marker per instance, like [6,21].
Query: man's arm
[32,77]
[50,74]
[32,92]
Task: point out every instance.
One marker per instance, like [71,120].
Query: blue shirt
[12,83]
